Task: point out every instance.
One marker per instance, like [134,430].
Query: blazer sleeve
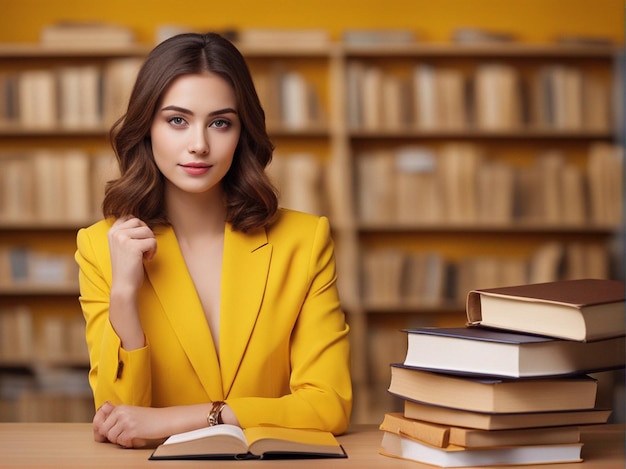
[115,374]
[320,381]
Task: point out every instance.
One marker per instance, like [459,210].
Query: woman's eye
[177,121]
[220,123]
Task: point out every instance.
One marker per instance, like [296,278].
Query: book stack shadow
[514,385]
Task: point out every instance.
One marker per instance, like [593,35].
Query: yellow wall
[531,20]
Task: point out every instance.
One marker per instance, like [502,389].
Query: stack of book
[513,386]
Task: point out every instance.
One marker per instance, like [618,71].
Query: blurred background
[454,145]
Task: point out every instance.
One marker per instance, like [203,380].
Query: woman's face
[195,132]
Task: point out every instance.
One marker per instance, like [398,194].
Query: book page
[278,439]
[206,432]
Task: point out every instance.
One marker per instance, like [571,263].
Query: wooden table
[71,445]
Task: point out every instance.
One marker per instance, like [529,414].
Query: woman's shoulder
[291,226]
[96,230]
[287,219]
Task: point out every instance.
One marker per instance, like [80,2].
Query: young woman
[204,302]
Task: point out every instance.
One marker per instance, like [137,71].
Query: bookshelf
[473,164]
[403,261]
[56,106]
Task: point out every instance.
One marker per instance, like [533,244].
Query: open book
[231,442]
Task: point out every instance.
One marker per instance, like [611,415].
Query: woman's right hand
[130,242]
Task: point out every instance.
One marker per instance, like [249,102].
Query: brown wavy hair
[251,200]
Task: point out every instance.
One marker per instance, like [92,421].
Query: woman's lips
[195,169]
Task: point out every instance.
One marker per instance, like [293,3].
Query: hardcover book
[503,421]
[478,350]
[426,432]
[490,394]
[443,436]
[581,309]
[402,447]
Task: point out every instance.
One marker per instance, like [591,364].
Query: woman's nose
[199,143]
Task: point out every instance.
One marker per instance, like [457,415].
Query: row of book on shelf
[457,182]
[57,186]
[290,99]
[495,96]
[393,277]
[23,266]
[33,406]
[408,185]
[411,185]
[514,385]
[28,340]
[92,97]
[54,186]
[45,394]
[77,34]
[302,182]
[67,96]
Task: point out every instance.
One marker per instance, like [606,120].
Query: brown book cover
[77,189]
[376,186]
[493,421]
[426,112]
[605,169]
[118,78]
[574,203]
[451,92]
[497,93]
[37,99]
[579,309]
[472,438]
[442,436]
[372,98]
[491,394]
[431,433]
[395,110]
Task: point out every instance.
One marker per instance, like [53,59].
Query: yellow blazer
[284,349]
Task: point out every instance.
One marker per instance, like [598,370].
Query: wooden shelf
[287,50]
[51,289]
[479,134]
[22,225]
[18,131]
[482,51]
[34,362]
[512,229]
[282,131]
[38,51]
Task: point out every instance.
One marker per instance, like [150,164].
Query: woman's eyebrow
[182,110]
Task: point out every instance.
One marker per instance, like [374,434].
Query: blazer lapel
[170,279]
[244,276]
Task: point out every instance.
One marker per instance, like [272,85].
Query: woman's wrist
[228,416]
[124,317]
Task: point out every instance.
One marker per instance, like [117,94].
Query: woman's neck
[196,214]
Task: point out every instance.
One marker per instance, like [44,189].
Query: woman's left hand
[130,426]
